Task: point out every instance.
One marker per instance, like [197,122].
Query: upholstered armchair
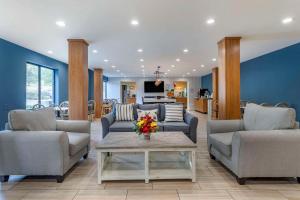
[39,145]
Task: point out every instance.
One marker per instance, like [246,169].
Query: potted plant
[146,126]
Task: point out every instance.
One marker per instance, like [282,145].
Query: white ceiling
[166,28]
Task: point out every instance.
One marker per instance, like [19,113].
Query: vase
[147,136]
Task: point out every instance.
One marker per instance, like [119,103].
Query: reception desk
[200,104]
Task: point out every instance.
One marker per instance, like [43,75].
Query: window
[39,85]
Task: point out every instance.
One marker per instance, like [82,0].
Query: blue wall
[13,59]
[206,82]
[273,78]
[91,84]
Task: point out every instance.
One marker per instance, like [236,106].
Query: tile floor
[213,182]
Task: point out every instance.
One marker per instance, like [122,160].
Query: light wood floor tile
[204,194]
[12,195]
[152,194]
[36,184]
[175,185]
[219,183]
[50,195]
[101,195]
[115,185]
[256,195]
[291,194]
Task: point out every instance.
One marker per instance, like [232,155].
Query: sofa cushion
[122,126]
[151,107]
[124,112]
[28,120]
[176,126]
[222,142]
[77,141]
[258,117]
[174,112]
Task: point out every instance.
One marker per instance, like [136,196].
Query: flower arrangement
[145,126]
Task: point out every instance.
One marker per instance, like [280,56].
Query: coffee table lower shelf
[184,168]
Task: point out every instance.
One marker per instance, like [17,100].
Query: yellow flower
[153,124]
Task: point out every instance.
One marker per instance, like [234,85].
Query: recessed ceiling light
[177,59]
[166,73]
[169,70]
[210,21]
[113,66]
[214,59]
[105,60]
[188,73]
[142,60]
[140,50]
[118,70]
[95,51]
[287,20]
[173,66]
[194,70]
[50,52]
[185,50]
[202,65]
[60,23]
[142,66]
[134,22]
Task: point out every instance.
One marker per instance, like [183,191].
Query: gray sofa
[266,143]
[188,126]
[40,145]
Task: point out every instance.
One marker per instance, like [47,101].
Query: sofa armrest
[33,152]
[192,121]
[224,126]
[78,126]
[107,121]
[271,153]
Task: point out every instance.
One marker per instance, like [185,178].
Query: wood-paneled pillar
[215,89]
[98,91]
[78,79]
[229,78]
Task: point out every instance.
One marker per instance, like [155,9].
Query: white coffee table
[130,142]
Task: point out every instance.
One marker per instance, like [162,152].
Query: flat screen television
[150,87]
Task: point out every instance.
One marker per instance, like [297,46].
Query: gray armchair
[250,151]
[40,145]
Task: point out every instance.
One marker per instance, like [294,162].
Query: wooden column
[98,91]
[229,78]
[215,89]
[78,79]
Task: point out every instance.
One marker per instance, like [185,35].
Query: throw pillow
[258,117]
[143,113]
[174,113]
[124,112]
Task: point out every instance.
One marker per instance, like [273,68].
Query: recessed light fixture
[166,73]
[169,70]
[50,52]
[140,50]
[177,59]
[185,50]
[60,23]
[113,66]
[141,60]
[210,21]
[134,22]
[95,51]
[194,70]
[118,70]
[287,20]
[214,59]
[172,66]
[105,60]
[142,66]
[202,65]
[188,73]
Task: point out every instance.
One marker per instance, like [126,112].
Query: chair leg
[298,180]
[85,156]
[4,178]
[241,181]
[60,179]
[212,157]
